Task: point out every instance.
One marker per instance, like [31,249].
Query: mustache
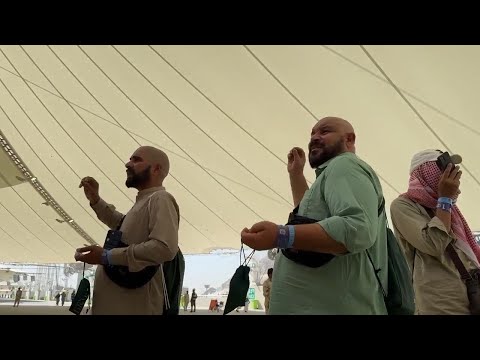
[315,143]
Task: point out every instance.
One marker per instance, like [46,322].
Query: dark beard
[136,180]
[328,152]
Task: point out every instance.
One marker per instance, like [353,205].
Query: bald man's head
[330,137]
[148,167]
[156,157]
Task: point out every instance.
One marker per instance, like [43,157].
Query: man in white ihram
[150,229]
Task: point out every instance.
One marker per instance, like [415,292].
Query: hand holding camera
[449,183]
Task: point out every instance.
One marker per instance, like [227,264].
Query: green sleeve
[352,201]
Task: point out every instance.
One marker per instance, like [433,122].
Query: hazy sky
[212,270]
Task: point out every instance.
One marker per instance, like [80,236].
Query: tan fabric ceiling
[226,116]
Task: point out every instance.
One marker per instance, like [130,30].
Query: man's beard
[137,179]
[327,152]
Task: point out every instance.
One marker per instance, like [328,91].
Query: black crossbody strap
[452,253]
[121,222]
[376,271]
[458,263]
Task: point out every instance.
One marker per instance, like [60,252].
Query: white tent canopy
[226,116]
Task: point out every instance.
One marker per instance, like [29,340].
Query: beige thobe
[150,229]
[439,290]
[267,286]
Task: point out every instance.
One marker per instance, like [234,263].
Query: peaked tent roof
[226,116]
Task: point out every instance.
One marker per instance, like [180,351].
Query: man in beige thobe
[430,226]
[267,287]
[186,300]
[150,229]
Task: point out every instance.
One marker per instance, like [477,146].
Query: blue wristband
[109,256]
[445,200]
[285,236]
[291,235]
[106,257]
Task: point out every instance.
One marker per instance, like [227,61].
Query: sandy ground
[49,308]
